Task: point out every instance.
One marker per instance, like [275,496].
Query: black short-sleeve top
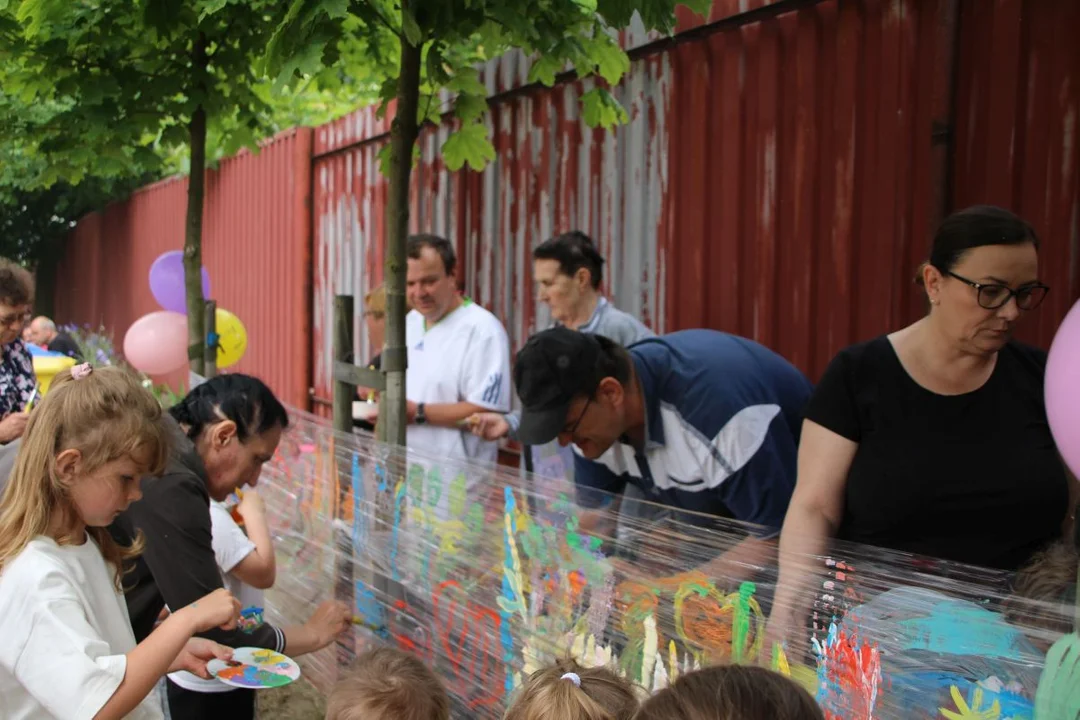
[974,478]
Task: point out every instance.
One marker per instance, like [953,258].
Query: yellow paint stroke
[268,657]
[780,661]
[975,711]
[514,574]
[648,657]
[673,661]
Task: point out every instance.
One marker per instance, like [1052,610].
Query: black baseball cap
[553,368]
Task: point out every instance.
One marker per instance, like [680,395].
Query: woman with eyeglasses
[17,379]
[933,439]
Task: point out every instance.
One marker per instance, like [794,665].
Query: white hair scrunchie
[572,677]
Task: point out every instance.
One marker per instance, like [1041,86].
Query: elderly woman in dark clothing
[17,379]
[933,439]
[221,434]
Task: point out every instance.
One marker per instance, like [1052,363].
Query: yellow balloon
[232,338]
[46,368]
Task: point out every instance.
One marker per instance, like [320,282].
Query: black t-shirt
[64,343]
[974,478]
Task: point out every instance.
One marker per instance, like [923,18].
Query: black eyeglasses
[573,428]
[994,296]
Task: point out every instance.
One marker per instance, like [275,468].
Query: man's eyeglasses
[993,296]
[570,430]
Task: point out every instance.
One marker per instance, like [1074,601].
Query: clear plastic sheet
[487,575]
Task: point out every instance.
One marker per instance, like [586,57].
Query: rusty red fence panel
[256,224]
[1018,132]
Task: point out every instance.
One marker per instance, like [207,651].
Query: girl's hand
[218,609]
[197,653]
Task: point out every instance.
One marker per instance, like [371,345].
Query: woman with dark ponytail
[221,434]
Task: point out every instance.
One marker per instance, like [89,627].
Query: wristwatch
[421,416]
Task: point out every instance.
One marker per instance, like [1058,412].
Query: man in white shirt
[459,357]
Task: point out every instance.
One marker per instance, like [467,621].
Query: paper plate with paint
[255,669]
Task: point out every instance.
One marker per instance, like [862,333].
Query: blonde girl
[68,650]
[568,691]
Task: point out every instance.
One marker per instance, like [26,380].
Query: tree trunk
[403,135]
[193,227]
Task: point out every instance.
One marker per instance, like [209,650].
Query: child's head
[568,691]
[388,684]
[86,446]
[1044,594]
[731,692]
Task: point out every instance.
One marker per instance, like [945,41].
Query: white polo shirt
[465,357]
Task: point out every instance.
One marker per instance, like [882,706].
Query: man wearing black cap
[699,420]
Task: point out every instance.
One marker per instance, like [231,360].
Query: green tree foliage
[104,93]
[437,45]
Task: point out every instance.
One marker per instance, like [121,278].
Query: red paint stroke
[405,640]
[468,635]
[577,586]
[852,677]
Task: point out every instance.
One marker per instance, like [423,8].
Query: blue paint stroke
[380,476]
[370,611]
[399,502]
[826,690]
[506,639]
[359,529]
[960,628]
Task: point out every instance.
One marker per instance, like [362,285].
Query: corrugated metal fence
[780,177]
[256,219]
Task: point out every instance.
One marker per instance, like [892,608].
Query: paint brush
[361,622]
[30,402]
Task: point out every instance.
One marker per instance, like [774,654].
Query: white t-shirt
[65,633]
[465,357]
[231,546]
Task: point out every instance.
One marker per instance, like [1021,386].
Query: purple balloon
[167,282]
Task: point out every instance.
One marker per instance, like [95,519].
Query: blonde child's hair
[568,691]
[1044,591]
[106,415]
[388,684]
[375,301]
[731,692]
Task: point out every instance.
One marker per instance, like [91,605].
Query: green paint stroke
[741,622]
[416,484]
[458,497]
[434,487]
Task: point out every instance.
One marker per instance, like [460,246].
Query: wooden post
[344,393]
[210,352]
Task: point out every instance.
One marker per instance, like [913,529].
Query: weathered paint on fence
[255,246]
[552,173]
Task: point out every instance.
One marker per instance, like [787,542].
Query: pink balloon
[1063,389]
[156,344]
